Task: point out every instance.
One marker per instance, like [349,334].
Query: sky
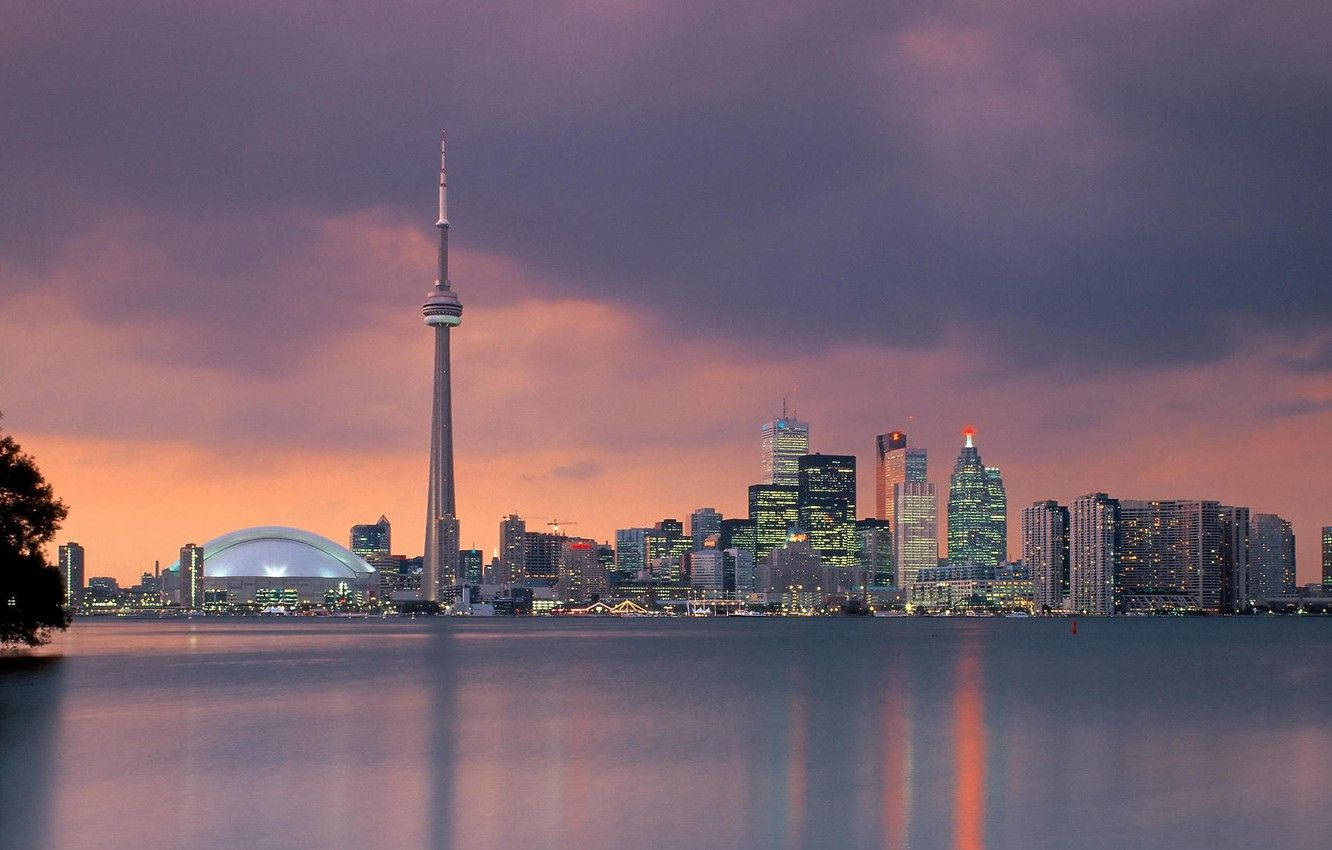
[1096,232]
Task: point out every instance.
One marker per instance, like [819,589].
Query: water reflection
[680,734]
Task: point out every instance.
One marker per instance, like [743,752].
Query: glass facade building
[977,510]
[71,572]
[1271,557]
[372,539]
[703,523]
[784,442]
[875,554]
[773,512]
[896,464]
[826,507]
[915,530]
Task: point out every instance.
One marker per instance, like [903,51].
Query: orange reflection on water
[795,775]
[895,736]
[969,755]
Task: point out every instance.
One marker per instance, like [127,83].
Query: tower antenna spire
[443,185]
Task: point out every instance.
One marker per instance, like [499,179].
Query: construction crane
[556,525]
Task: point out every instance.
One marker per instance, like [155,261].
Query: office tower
[581,570]
[1045,554]
[737,533]
[876,550]
[1234,592]
[896,464]
[442,311]
[784,442]
[663,546]
[740,563]
[707,570]
[630,552]
[1271,557]
[469,563]
[606,560]
[541,556]
[374,539]
[1093,554]
[977,510]
[826,506]
[192,577]
[513,552]
[704,522]
[1181,551]
[773,511]
[71,572]
[915,530]
[1327,558]
[793,567]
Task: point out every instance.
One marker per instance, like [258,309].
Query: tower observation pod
[442,310]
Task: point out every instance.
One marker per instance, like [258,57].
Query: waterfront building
[191,566]
[962,588]
[773,510]
[784,442]
[664,545]
[1327,558]
[513,551]
[372,539]
[977,509]
[442,311]
[1271,557]
[1094,555]
[793,567]
[702,523]
[1182,552]
[1045,542]
[915,529]
[737,533]
[896,464]
[469,565]
[826,506]
[582,573]
[71,556]
[875,553]
[739,564]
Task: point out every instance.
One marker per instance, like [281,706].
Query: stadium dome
[277,552]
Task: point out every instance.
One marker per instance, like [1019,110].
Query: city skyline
[1114,267]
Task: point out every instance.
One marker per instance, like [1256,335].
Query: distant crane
[556,526]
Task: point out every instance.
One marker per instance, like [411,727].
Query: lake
[663,733]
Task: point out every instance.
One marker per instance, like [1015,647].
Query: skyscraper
[373,539]
[1186,549]
[977,510]
[896,464]
[826,506]
[773,511]
[512,554]
[702,523]
[630,552]
[1093,554]
[915,530]
[784,442]
[71,572]
[1045,554]
[442,310]
[1271,557]
[875,554]
[469,565]
[192,577]
[1327,558]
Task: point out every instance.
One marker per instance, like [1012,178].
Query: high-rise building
[707,569]
[773,511]
[470,562]
[442,310]
[192,577]
[541,556]
[1045,554]
[702,523]
[1193,551]
[784,442]
[630,552]
[372,539]
[71,572]
[513,550]
[1271,557]
[1327,558]
[977,510]
[1093,554]
[740,564]
[876,550]
[915,530]
[664,545]
[897,464]
[737,533]
[826,506]
[582,573]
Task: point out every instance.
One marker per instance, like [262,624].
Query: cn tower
[442,310]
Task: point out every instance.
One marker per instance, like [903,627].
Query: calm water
[671,733]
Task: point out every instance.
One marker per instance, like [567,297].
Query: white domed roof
[274,551]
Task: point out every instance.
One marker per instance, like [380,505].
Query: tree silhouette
[31,597]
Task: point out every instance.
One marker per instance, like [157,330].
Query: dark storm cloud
[1116,184]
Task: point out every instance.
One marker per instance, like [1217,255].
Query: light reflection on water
[770,733]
